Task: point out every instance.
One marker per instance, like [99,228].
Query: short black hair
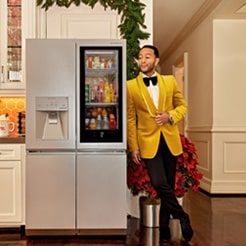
[156,51]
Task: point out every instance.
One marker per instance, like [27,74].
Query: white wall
[229,140]
[199,49]
[216,88]
[229,73]
[199,46]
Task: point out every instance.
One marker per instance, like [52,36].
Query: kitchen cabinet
[12,185]
[96,23]
[16,24]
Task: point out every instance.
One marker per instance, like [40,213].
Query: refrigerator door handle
[102,151]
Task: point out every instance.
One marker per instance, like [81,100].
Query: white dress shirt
[153,91]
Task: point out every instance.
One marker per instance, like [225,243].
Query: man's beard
[149,69]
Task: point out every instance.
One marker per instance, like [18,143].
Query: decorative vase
[149,211]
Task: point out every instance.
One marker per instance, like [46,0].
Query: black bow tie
[153,80]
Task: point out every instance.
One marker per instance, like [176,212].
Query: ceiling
[173,19]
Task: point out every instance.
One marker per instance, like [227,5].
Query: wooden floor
[217,221]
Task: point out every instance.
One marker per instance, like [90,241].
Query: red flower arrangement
[187,175]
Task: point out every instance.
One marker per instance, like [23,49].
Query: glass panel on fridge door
[101,95]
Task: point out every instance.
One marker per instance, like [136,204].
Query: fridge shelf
[101,104]
[92,71]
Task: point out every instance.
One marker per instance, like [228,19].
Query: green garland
[132,20]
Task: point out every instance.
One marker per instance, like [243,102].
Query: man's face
[147,61]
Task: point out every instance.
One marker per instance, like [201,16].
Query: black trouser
[162,171]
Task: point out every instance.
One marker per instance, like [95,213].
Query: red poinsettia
[187,175]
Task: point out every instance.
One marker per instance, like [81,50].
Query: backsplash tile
[12,106]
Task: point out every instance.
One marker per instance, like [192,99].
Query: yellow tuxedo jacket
[143,133]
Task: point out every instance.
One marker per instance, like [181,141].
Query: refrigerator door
[102,205]
[101,95]
[50,193]
[50,94]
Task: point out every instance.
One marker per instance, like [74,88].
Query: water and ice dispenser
[52,118]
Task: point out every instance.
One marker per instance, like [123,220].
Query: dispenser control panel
[51,103]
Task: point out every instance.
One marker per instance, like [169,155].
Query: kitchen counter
[12,140]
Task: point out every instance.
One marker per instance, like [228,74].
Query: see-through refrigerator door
[102,96]
[101,138]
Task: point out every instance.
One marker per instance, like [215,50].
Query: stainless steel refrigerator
[75,137]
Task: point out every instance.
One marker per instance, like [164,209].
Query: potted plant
[187,175]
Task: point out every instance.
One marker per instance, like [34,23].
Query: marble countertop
[12,140]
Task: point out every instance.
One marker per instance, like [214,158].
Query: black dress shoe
[165,235]
[186,229]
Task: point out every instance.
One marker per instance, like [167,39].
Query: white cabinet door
[10,192]
[11,188]
[78,22]
[101,192]
[16,24]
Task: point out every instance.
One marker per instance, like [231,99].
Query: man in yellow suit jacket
[154,106]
